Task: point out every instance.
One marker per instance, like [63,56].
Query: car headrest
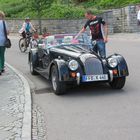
[67,39]
[50,39]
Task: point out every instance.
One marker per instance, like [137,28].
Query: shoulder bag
[7,42]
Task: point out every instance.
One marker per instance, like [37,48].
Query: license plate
[90,78]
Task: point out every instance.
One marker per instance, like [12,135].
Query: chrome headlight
[73,65]
[112,62]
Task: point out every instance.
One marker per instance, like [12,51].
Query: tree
[79,1]
[38,6]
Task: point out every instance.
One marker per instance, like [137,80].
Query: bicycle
[27,42]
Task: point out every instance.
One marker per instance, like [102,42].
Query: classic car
[64,61]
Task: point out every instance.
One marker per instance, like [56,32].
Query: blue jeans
[99,48]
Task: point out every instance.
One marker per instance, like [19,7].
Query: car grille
[93,66]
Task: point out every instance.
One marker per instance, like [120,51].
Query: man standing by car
[99,32]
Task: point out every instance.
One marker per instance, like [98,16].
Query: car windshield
[74,47]
[59,39]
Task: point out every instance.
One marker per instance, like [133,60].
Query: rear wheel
[58,87]
[118,83]
[22,45]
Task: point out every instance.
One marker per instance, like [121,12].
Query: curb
[26,129]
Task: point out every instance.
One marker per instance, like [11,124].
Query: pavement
[125,36]
[15,106]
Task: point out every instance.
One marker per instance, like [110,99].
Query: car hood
[82,54]
[90,63]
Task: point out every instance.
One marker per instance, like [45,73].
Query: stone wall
[125,19]
[52,26]
[108,16]
[119,20]
[59,26]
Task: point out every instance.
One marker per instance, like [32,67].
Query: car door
[44,61]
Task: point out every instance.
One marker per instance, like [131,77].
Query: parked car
[63,61]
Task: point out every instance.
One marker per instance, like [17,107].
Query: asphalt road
[91,112]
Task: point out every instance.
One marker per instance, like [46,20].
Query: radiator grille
[93,66]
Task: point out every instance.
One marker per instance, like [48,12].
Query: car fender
[33,55]
[122,65]
[63,69]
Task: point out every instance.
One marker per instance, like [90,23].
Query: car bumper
[79,78]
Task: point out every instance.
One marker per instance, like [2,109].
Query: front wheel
[32,67]
[22,45]
[118,83]
[59,87]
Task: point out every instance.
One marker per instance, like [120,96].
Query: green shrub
[10,12]
[60,9]
[63,11]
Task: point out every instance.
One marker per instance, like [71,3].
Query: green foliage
[55,9]
[79,1]
[10,12]
[64,11]
[40,4]
[105,4]
[12,8]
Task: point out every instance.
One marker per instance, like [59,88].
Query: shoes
[3,70]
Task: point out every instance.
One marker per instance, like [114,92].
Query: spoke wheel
[118,83]
[54,84]
[22,45]
[32,68]
[59,87]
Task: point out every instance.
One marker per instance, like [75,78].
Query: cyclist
[27,27]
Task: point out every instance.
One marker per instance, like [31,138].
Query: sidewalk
[15,106]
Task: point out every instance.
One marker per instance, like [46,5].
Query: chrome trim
[104,61]
[78,78]
[34,50]
[111,75]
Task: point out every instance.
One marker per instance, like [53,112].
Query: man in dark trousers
[99,32]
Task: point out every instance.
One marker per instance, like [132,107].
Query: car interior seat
[67,39]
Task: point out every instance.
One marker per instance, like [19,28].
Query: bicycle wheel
[22,45]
